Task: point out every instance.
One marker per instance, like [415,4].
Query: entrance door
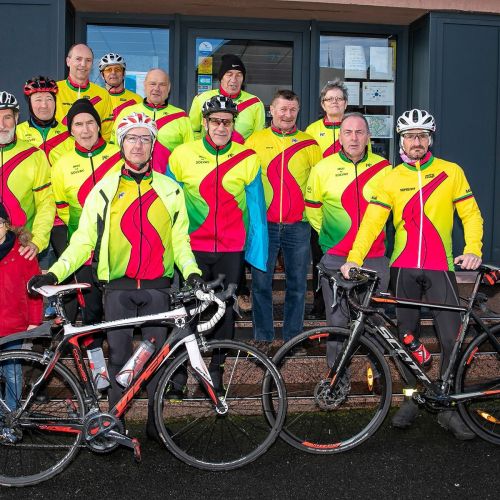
[272,61]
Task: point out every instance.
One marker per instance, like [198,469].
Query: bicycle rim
[479,370]
[37,453]
[193,431]
[319,420]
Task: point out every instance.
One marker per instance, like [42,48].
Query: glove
[491,278]
[40,280]
[195,281]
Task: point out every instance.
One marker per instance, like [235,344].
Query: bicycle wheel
[30,451]
[479,370]
[323,421]
[191,428]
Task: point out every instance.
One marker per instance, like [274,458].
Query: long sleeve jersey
[54,140]
[286,160]
[423,199]
[76,173]
[174,129]
[251,114]
[138,230]
[224,198]
[337,196]
[69,92]
[122,100]
[25,189]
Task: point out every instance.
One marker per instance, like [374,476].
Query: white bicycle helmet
[415,119]
[8,101]
[110,59]
[135,120]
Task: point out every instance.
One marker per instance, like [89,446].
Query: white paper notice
[380,126]
[355,62]
[353,93]
[378,93]
[381,63]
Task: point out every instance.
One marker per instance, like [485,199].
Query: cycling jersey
[423,199]
[326,134]
[224,198]
[125,223]
[69,92]
[337,195]
[173,129]
[76,173]
[123,100]
[286,159]
[251,114]
[25,189]
[54,140]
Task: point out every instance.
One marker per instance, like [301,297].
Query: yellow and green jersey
[337,196]
[122,100]
[138,230]
[173,125]
[423,199]
[69,92]
[76,173]
[25,189]
[251,114]
[54,140]
[286,160]
[224,198]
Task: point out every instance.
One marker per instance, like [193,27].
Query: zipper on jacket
[92,167]
[140,226]
[216,197]
[281,175]
[357,194]
[421,199]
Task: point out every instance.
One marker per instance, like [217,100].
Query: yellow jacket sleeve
[314,200]
[59,193]
[195,117]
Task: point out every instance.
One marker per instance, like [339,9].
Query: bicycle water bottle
[417,349]
[98,367]
[135,364]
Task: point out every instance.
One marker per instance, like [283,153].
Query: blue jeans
[294,241]
[12,375]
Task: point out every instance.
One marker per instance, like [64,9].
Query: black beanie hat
[3,213]
[229,62]
[82,106]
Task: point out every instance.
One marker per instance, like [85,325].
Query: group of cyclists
[126,188]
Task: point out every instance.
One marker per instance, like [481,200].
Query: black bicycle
[336,405]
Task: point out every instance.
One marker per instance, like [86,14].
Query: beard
[8,136]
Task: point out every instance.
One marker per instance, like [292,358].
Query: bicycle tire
[317,421]
[191,429]
[479,370]
[40,453]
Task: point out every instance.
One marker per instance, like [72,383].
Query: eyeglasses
[133,139]
[333,99]
[221,121]
[3,223]
[111,69]
[422,136]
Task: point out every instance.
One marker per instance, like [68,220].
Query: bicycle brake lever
[334,289]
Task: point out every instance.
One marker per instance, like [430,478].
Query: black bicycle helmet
[219,103]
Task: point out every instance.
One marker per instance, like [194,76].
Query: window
[367,65]
[143,48]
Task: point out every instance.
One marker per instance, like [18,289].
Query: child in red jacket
[20,311]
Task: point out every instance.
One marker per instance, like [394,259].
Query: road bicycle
[335,408]
[217,425]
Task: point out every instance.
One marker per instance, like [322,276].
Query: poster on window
[355,62]
[205,65]
[378,94]
[352,93]
[381,63]
[134,81]
[380,126]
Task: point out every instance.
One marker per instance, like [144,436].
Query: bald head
[79,61]
[157,86]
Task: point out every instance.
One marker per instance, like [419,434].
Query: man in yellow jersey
[134,227]
[25,189]
[287,156]
[172,122]
[423,194]
[77,86]
[112,68]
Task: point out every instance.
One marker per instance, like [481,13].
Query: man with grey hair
[337,195]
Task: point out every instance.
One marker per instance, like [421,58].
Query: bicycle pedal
[137,450]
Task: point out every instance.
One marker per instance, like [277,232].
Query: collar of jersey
[348,160]
[212,148]
[281,133]
[152,107]
[98,148]
[231,96]
[121,92]
[9,146]
[328,124]
[148,176]
[427,162]
[32,123]
[75,86]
